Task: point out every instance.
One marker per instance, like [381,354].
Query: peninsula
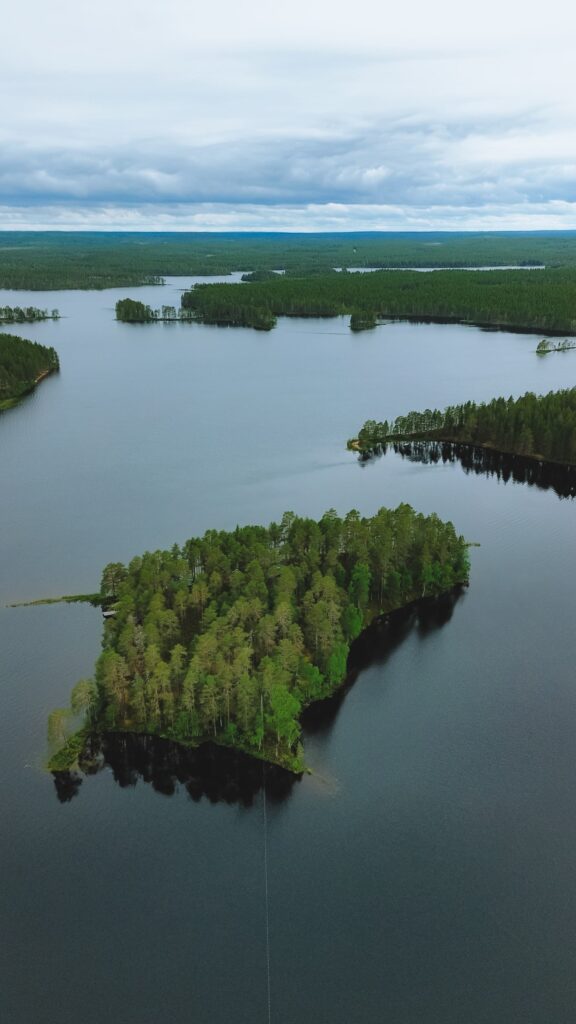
[229,637]
[22,365]
[540,427]
[541,301]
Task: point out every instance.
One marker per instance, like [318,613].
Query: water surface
[425,872]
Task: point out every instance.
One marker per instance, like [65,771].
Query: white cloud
[553,215]
[424,107]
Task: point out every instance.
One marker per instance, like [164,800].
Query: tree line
[132,311]
[229,636]
[53,260]
[539,426]
[22,363]
[543,300]
[545,346]
[26,314]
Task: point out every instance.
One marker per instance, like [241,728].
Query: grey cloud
[399,162]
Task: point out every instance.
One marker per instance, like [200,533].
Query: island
[541,427]
[229,637]
[26,314]
[233,308]
[131,311]
[22,365]
[362,320]
[545,346]
[541,301]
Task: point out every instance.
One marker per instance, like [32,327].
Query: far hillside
[52,260]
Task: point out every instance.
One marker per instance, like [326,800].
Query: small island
[362,321]
[541,427]
[229,637]
[26,314]
[22,365]
[546,346]
[131,311]
[229,309]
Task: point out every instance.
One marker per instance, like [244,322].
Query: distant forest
[543,300]
[131,311]
[56,260]
[230,636]
[22,363]
[542,427]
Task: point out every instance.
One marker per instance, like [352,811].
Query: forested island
[22,365]
[512,299]
[546,346]
[131,311]
[26,314]
[229,637]
[43,260]
[535,426]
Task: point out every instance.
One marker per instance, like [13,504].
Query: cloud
[238,109]
[401,163]
[550,216]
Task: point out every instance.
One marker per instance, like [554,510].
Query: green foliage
[67,756]
[539,426]
[26,314]
[231,635]
[359,589]
[362,321]
[337,664]
[234,307]
[22,364]
[58,725]
[44,260]
[259,275]
[112,576]
[543,300]
[352,621]
[133,312]
[546,346]
[83,697]
[543,347]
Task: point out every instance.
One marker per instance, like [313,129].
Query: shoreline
[14,400]
[69,756]
[374,451]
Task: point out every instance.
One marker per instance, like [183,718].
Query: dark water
[426,871]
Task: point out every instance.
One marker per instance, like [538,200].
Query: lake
[425,871]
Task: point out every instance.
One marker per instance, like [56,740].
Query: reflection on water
[376,644]
[219,774]
[230,776]
[545,475]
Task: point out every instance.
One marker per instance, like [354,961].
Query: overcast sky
[175,114]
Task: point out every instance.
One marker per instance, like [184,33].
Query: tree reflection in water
[375,645]
[223,775]
[209,771]
[545,475]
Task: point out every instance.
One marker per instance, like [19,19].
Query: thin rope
[266,896]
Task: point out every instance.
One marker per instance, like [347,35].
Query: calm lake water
[425,874]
